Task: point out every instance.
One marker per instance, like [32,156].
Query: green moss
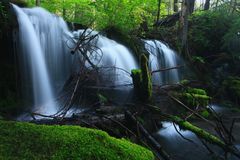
[29,141]
[205,113]
[146,78]
[196,91]
[194,97]
[198,131]
[184,82]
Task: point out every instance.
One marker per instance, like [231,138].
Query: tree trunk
[191,4]
[207,5]
[38,2]
[234,6]
[184,26]
[159,10]
[175,5]
[63,9]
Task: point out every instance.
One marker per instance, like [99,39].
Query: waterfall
[117,57]
[45,59]
[160,57]
[33,63]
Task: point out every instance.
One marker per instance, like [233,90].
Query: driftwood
[148,137]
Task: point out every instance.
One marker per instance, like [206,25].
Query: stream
[193,149]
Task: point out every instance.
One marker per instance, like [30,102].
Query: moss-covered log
[198,131]
[203,134]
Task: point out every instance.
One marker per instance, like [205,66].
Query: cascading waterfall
[160,57]
[45,58]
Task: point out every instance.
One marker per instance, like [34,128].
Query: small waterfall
[160,57]
[45,59]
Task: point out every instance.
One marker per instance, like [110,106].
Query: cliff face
[8,56]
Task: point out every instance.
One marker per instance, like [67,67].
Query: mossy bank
[29,141]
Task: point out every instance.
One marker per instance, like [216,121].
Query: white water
[33,57]
[160,57]
[113,54]
[52,32]
[45,58]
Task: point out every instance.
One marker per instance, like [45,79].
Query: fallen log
[148,137]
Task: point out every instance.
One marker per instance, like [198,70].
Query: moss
[146,78]
[196,91]
[205,113]
[184,82]
[198,131]
[29,141]
[194,97]
[142,80]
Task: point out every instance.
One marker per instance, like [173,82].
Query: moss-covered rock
[29,141]
[9,77]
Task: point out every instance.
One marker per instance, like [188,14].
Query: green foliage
[198,59]
[28,141]
[123,14]
[232,38]
[206,31]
